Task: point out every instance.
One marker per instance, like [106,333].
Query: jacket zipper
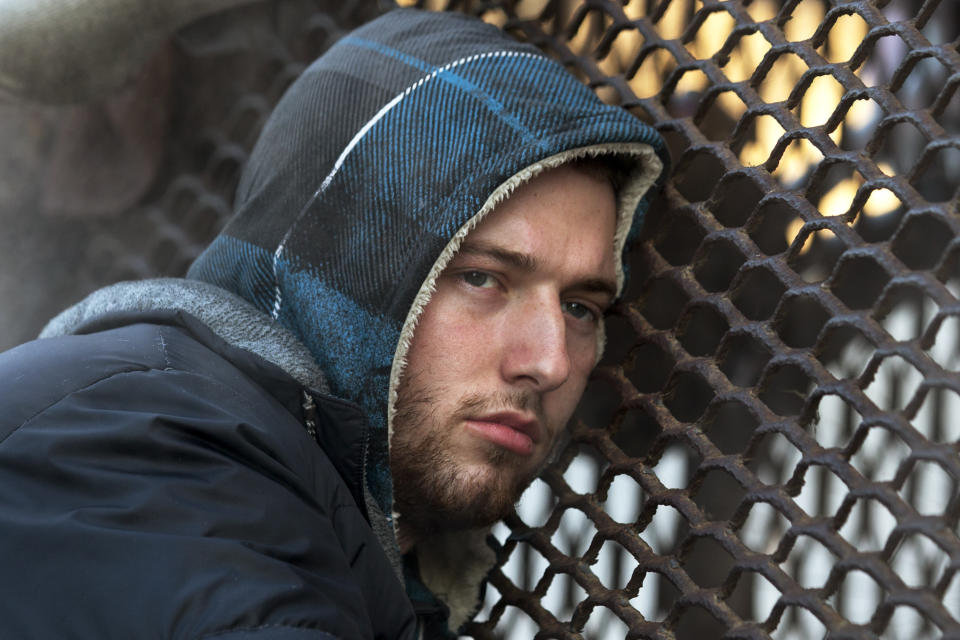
[310,415]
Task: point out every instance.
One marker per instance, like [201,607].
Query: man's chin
[454,481]
[473,496]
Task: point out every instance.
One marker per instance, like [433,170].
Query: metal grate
[769,448]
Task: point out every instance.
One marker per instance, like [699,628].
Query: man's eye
[579,311]
[477,279]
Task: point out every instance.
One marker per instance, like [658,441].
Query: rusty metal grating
[769,448]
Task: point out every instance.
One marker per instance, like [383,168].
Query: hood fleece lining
[452,565]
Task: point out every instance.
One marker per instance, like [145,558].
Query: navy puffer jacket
[157,481]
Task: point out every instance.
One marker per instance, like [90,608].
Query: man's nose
[535,345]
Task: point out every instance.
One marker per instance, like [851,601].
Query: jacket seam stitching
[71,392]
[163,350]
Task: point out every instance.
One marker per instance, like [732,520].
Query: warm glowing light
[674,20]
[732,104]
[819,101]
[497,17]
[845,36]
[581,43]
[804,20]
[838,199]
[761,10]
[430,5]
[635,9]
[862,114]
[825,235]
[711,35]
[623,50]
[817,104]
[648,79]
[608,94]
[768,132]
[745,57]
[881,201]
[692,82]
[799,156]
[530,9]
[794,228]
[780,80]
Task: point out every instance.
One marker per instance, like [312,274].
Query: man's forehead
[561,204]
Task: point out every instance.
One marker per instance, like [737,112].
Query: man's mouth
[514,431]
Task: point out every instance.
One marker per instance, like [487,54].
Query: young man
[358,377]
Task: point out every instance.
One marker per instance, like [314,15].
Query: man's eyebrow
[529,264]
[598,285]
[522,261]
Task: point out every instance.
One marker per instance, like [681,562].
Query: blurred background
[769,447]
[131,179]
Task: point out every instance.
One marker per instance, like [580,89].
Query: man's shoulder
[40,373]
[147,373]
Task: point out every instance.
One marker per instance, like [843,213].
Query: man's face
[502,352]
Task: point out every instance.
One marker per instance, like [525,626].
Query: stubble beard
[433,490]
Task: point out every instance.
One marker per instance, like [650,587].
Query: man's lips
[511,430]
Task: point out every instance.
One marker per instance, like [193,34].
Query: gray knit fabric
[230,317]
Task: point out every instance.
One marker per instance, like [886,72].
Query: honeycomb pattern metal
[770,446]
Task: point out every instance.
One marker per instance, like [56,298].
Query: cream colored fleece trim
[458,585]
[454,568]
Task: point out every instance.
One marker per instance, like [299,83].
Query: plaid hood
[372,169]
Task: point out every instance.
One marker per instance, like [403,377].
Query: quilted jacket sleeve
[156,501]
